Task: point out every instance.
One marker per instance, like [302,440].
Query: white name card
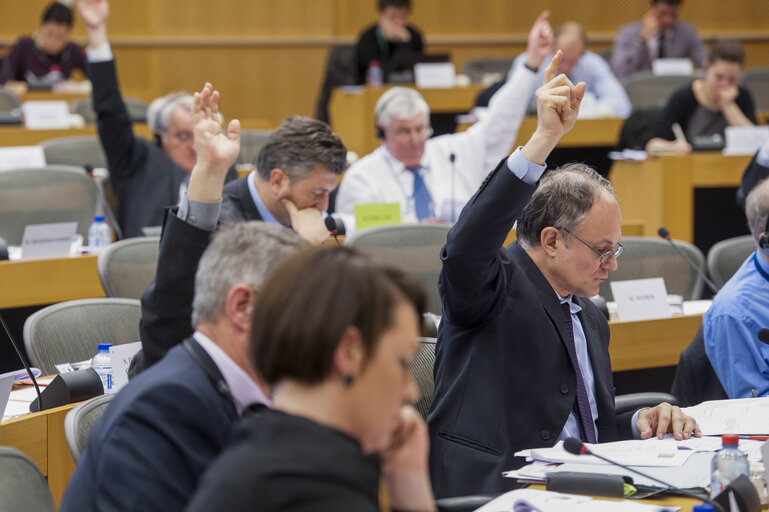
[641,299]
[45,115]
[434,75]
[21,157]
[745,140]
[47,240]
[121,360]
[666,67]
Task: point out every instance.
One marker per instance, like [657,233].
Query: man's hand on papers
[666,418]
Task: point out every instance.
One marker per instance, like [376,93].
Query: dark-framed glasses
[602,255]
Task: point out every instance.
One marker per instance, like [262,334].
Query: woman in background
[334,334]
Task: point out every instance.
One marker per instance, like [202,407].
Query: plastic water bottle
[728,464]
[102,365]
[374,76]
[99,234]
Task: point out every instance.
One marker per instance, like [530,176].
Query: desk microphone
[23,360]
[577,447]
[664,233]
[335,226]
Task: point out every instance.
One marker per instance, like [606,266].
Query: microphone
[577,447]
[23,361]
[763,336]
[452,159]
[335,224]
[664,233]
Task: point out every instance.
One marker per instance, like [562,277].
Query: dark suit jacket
[156,438]
[237,203]
[754,173]
[503,377]
[280,462]
[145,179]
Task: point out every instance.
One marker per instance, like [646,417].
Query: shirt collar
[399,167]
[265,213]
[242,387]
[574,308]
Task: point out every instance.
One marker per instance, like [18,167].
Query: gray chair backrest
[422,370]
[71,331]
[653,257]
[476,68]
[55,193]
[414,248]
[127,267]
[79,420]
[8,101]
[22,485]
[647,90]
[137,109]
[757,82]
[251,142]
[725,257]
[75,151]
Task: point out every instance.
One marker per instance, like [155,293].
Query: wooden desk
[650,343]
[660,191]
[35,282]
[19,136]
[40,436]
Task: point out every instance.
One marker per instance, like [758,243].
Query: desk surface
[18,135]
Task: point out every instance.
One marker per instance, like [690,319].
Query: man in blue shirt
[740,309]
[604,96]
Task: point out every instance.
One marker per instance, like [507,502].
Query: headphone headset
[379,109]
[763,242]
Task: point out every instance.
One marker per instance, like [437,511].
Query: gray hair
[561,200]
[757,209]
[400,103]
[240,253]
[159,111]
[299,144]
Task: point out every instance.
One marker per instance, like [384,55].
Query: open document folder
[532,500]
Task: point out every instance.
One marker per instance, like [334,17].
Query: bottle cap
[104,347]
[730,439]
[98,218]
[374,63]
[705,507]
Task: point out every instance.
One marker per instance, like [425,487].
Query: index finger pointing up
[553,66]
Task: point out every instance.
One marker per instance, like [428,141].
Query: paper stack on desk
[746,416]
[532,500]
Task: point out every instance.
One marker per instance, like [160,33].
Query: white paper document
[47,240]
[121,360]
[747,416]
[434,75]
[21,157]
[652,452]
[745,140]
[534,500]
[46,115]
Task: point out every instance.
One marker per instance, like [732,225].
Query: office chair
[341,69]
[422,370]
[251,142]
[646,257]
[137,109]
[71,331]
[55,193]
[414,248]
[695,380]
[75,151]
[725,257]
[757,82]
[80,419]
[127,267]
[477,68]
[22,485]
[8,101]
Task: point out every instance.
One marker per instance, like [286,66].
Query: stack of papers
[532,500]
[747,416]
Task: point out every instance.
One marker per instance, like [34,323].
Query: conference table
[660,191]
[351,111]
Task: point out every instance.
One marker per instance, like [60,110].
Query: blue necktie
[584,414]
[421,195]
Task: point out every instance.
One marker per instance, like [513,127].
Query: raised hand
[540,41]
[93,12]
[558,101]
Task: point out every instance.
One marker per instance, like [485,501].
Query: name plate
[641,299]
[745,140]
[47,240]
[46,115]
[21,157]
[121,360]
[376,214]
[666,67]
[434,75]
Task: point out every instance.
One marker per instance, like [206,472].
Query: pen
[756,438]
[753,392]
[679,133]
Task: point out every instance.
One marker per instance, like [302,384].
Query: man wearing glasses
[432,179]
[522,360]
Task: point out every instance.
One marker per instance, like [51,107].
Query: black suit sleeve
[473,279]
[167,302]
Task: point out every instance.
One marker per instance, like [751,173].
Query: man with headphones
[432,179]
[147,175]
[740,309]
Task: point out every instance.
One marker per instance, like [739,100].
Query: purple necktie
[584,416]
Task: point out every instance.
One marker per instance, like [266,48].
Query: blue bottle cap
[98,218]
[104,347]
[705,507]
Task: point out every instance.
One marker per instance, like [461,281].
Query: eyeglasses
[404,133]
[603,255]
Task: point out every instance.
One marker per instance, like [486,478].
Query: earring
[347,379]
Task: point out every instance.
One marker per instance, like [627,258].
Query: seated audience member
[522,359]
[607,96]
[295,173]
[756,171]
[147,175]
[740,309]
[708,105]
[341,378]
[45,58]
[161,431]
[432,179]
[390,40]
[659,35]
